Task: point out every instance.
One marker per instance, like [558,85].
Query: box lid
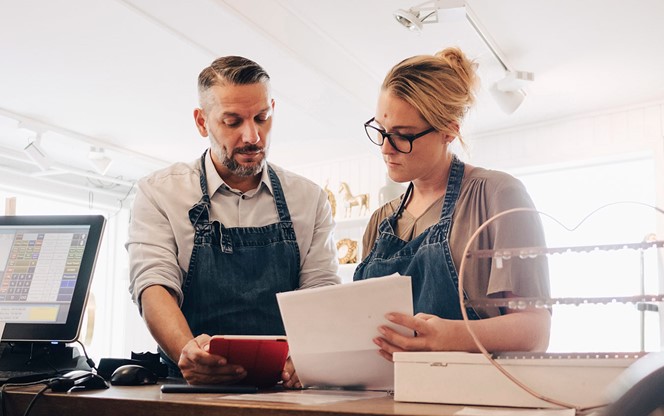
[444,357]
[604,359]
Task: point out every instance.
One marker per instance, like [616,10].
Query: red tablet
[263,356]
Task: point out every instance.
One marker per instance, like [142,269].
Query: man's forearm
[165,320]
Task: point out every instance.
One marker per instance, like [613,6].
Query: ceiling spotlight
[410,19]
[427,12]
[34,151]
[508,101]
[515,80]
[508,92]
[100,162]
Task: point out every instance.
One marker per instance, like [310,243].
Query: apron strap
[404,201]
[279,198]
[453,187]
[199,214]
[207,232]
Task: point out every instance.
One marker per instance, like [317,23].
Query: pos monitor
[46,266]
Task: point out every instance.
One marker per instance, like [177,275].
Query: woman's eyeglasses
[401,142]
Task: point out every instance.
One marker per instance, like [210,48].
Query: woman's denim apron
[427,258]
[235,273]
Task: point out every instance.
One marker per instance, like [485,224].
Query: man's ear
[199,119]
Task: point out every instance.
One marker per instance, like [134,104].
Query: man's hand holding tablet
[262,356]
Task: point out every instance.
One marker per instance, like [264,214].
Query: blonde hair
[441,87]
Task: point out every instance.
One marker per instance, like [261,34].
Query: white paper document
[330,331]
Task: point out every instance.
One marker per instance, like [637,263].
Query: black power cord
[34,399]
[56,384]
[89,361]
[5,386]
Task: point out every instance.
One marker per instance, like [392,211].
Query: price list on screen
[42,267]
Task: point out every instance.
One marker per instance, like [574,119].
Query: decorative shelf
[521,303]
[567,355]
[526,252]
[531,252]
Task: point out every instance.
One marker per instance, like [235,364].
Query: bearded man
[211,242]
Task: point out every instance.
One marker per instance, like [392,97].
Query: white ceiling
[122,73]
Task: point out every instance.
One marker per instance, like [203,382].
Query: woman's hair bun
[464,67]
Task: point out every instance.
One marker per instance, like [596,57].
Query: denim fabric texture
[235,273]
[427,258]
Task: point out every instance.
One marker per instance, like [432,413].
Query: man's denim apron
[235,273]
[426,258]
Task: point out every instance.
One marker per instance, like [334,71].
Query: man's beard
[229,162]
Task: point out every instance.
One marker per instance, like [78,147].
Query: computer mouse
[80,380]
[133,375]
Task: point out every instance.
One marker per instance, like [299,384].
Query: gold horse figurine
[331,199]
[350,200]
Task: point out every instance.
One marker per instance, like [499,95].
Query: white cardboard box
[470,379]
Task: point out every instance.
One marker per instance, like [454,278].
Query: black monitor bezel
[69,331]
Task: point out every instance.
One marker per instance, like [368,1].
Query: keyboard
[17,376]
[25,362]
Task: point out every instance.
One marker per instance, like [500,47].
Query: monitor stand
[39,358]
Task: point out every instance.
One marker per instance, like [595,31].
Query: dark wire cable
[34,399]
[88,360]
[55,384]
[4,388]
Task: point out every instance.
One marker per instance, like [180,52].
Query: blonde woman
[423,233]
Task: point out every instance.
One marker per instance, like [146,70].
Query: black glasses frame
[368,128]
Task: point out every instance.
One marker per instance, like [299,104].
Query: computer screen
[46,267]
